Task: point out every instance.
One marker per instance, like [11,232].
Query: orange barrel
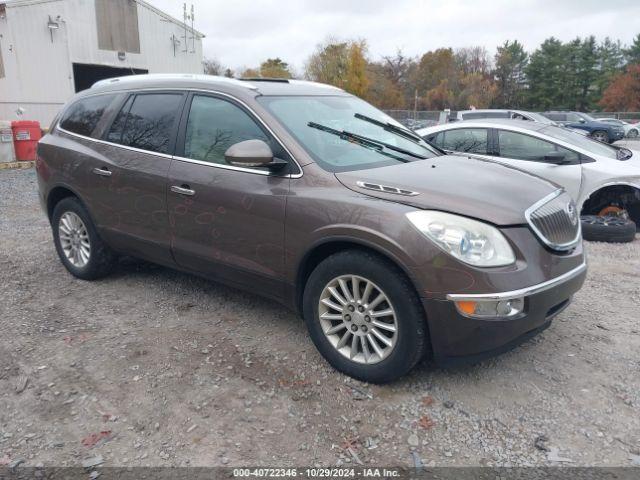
[26,134]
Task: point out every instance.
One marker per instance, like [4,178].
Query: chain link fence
[415,119]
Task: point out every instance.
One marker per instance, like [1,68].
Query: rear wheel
[364,316]
[601,136]
[80,248]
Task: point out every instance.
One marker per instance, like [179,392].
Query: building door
[85,75]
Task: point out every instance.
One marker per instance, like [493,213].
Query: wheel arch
[607,189]
[58,193]
[331,245]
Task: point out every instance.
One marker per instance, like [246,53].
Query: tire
[99,260]
[608,229]
[633,133]
[409,339]
[601,136]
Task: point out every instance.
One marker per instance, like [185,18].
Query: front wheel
[364,316]
[633,133]
[601,136]
[80,248]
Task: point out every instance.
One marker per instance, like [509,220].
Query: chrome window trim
[523,292]
[183,159]
[104,142]
[562,247]
[230,167]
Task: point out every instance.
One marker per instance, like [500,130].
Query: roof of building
[263,86]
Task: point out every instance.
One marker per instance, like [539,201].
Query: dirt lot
[154,367]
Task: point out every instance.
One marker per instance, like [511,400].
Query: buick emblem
[572,213]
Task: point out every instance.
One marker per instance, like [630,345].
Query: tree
[611,59]
[473,60]
[212,66]
[632,54]
[623,94]
[343,64]
[511,61]
[546,75]
[477,90]
[383,91]
[357,82]
[275,68]
[250,73]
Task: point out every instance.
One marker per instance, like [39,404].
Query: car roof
[254,87]
[485,123]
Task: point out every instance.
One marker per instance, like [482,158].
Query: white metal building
[50,49]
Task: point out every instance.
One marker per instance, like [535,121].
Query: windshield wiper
[390,127]
[366,141]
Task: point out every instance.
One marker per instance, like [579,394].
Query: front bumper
[459,339]
[617,135]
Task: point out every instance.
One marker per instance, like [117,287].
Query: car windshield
[536,117]
[338,132]
[581,141]
[587,117]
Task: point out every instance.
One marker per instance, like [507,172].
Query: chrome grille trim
[552,224]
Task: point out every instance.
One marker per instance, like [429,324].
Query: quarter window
[525,147]
[472,140]
[213,126]
[147,121]
[84,115]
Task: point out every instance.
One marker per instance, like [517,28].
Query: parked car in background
[479,114]
[311,196]
[601,131]
[603,179]
[631,130]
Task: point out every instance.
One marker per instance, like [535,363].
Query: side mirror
[582,120]
[556,158]
[252,153]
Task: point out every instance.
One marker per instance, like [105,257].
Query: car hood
[471,187]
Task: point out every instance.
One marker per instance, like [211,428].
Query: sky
[243,33]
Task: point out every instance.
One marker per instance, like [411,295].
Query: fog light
[490,308]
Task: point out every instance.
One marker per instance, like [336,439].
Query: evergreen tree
[632,54]
[511,60]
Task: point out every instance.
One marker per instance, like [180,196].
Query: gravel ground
[155,367]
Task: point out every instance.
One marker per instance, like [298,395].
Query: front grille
[556,221]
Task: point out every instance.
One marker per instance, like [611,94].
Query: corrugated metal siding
[117,25]
[1,63]
[38,72]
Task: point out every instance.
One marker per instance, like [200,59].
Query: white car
[485,113]
[602,179]
[631,130]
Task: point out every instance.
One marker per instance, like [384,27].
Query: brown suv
[309,195]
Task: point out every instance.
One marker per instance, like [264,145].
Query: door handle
[184,190]
[103,171]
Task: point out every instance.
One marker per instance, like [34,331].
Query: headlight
[470,241]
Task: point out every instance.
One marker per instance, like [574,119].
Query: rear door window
[471,140]
[83,116]
[525,147]
[148,121]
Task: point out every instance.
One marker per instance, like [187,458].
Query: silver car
[602,178]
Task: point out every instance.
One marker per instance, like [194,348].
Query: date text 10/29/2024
[316,472]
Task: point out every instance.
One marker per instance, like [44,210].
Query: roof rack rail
[265,79]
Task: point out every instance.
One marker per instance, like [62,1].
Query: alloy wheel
[74,239]
[358,319]
[601,137]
